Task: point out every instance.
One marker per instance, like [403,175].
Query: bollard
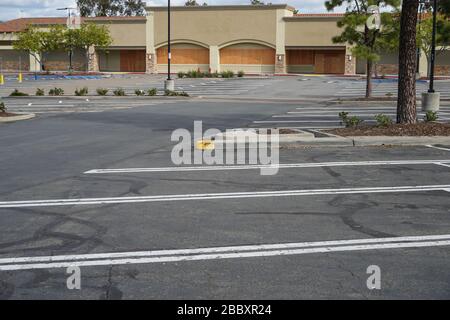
[2,79]
[20,78]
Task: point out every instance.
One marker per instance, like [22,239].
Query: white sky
[11,9]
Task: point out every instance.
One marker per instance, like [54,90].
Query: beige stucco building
[254,39]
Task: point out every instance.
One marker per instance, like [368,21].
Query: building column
[35,66]
[150,62]
[423,65]
[280,41]
[214,59]
[93,60]
[280,63]
[151,65]
[350,62]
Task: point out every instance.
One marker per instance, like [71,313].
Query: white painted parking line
[338,121]
[216,196]
[278,166]
[439,148]
[444,165]
[283,121]
[217,253]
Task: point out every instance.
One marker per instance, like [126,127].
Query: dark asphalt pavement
[45,158]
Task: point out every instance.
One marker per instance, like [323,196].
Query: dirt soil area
[419,129]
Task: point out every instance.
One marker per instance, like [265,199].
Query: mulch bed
[418,129]
[7,114]
[369,99]
[284,131]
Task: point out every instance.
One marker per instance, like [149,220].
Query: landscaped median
[422,133]
[11,117]
[99,92]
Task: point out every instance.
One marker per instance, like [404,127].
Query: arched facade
[247,56]
[185,56]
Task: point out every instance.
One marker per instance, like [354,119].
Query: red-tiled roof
[319,15]
[20,24]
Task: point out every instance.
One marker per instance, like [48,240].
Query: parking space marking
[439,148]
[444,165]
[217,253]
[261,166]
[217,196]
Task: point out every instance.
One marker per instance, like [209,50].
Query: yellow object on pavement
[205,145]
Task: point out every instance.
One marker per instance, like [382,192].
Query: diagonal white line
[216,256]
[213,196]
[439,148]
[262,166]
[241,248]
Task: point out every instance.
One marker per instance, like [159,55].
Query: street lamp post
[169,84]
[431,99]
[433,48]
[421,6]
[69,15]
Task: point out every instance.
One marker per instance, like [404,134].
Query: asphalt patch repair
[418,129]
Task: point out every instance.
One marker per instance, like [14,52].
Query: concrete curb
[70,97]
[19,117]
[361,141]
[386,140]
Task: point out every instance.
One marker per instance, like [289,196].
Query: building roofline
[222,7]
[299,17]
[20,24]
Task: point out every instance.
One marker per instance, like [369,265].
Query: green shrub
[82,92]
[181,74]
[2,107]
[194,74]
[240,74]
[119,92]
[40,92]
[17,93]
[353,122]
[383,120]
[139,92]
[175,94]
[349,122]
[102,92]
[343,116]
[56,92]
[152,92]
[227,74]
[430,116]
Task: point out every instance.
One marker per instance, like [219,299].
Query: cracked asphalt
[46,158]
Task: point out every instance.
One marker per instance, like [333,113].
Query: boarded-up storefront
[250,58]
[184,57]
[315,61]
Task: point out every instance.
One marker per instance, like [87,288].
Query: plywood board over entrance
[132,60]
[248,57]
[329,62]
[184,57]
[315,60]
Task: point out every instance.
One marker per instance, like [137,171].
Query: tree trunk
[406,103]
[369,79]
